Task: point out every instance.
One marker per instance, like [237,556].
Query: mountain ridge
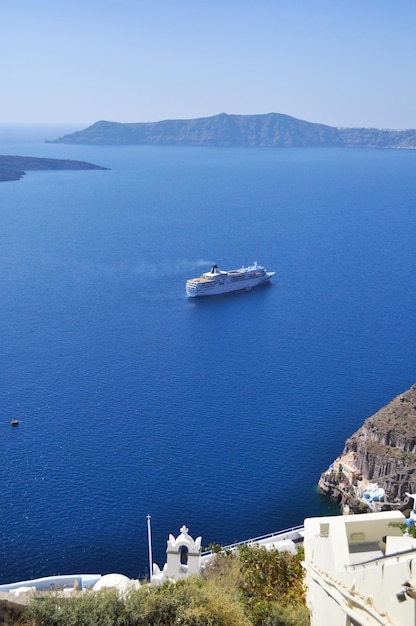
[230,130]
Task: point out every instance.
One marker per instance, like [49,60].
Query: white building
[183,558]
[360,570]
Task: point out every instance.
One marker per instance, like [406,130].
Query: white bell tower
[183,558]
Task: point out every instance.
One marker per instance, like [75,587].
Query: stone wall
[11,609]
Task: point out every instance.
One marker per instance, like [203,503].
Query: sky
[336,62]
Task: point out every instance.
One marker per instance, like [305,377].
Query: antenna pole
[149,541]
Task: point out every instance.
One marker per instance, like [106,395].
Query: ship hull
[226,284]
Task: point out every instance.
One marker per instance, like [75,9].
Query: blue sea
[217,413]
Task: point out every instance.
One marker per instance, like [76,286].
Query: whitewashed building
[360,570]
[183,558]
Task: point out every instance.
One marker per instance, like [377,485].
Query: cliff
[270,130]
[14,167]
[381,455]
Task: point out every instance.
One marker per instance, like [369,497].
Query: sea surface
[217,413]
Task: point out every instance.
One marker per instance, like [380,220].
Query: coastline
[377,468]
[13,168]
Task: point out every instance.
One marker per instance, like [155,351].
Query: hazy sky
[338,62]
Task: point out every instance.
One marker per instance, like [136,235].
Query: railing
[50,583]
[380,559]
[279,534]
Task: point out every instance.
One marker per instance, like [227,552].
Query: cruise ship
[216,281]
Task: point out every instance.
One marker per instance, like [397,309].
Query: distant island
[14,167]
[273,130]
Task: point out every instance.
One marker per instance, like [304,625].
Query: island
[15,167]
[272,130]
[377,468]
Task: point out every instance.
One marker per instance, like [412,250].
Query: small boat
[14,422]
[217,281]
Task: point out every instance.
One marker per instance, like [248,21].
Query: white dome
[112,581]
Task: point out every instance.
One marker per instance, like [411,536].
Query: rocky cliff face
[382,451]
[385,446]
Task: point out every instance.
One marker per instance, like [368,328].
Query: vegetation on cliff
[269,130]
[381,452]
[252,588]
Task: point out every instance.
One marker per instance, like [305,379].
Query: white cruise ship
[216,281]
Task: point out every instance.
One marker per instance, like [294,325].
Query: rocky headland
[378,464]
[15,167]
[273,130]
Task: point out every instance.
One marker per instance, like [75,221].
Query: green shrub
[225,571]
[405,528]
[191,602]
[271,582]
[271,575]
[277,615]
[254,587]
[86,609]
